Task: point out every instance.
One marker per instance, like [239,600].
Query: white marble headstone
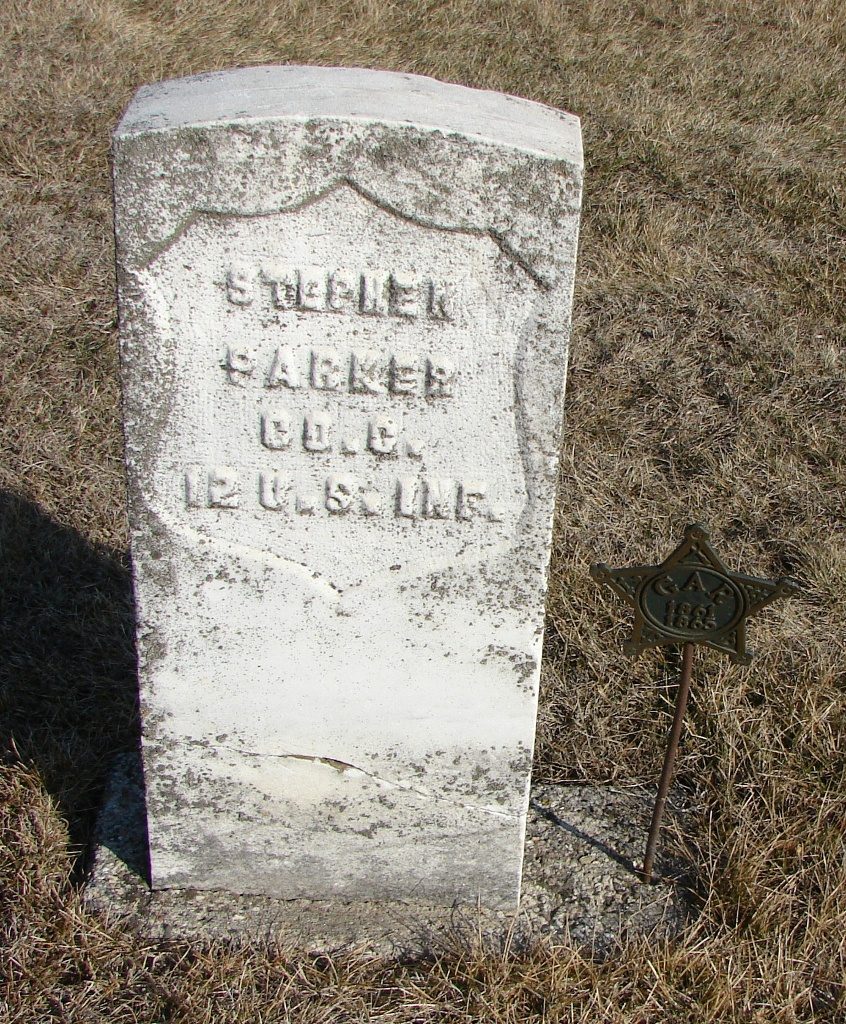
[345,306]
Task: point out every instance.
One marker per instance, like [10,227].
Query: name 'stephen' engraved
[410,497]
[375,293]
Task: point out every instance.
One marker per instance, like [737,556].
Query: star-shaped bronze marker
[690,598]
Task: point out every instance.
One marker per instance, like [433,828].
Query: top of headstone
[261,93]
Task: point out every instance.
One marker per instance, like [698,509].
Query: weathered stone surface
[580,885]
[345,302]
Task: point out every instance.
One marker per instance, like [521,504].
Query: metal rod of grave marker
[669,762]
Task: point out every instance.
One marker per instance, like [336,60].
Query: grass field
[708,381]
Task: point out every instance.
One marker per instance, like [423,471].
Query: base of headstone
[580,885]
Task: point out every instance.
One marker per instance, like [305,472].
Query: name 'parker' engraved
[376,293]
[410,497]
[361,372]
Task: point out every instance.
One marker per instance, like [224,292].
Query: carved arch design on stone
[532,469]
[312,198]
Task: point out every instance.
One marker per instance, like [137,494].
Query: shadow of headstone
[68,689]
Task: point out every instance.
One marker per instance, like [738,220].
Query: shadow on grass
[68,690]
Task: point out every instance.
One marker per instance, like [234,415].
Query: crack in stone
[344,766]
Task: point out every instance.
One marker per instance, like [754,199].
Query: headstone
[345,305]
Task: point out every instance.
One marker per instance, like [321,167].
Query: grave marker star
[692,597]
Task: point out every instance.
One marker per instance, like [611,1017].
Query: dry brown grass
[708,382]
